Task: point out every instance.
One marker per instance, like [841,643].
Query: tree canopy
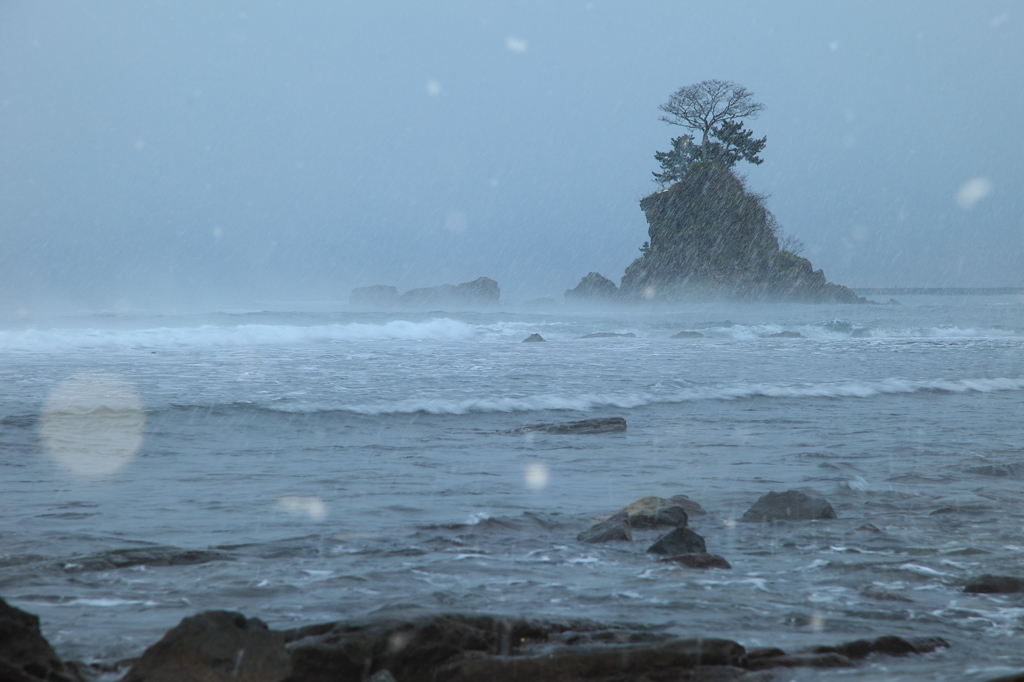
[715,110]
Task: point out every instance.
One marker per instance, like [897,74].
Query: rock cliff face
[710,237]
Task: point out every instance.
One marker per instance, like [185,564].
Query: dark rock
[688,335]
[711,238]
[655,512]
[786,335]
[585,427]
[615,528]
[889,645]
[25,655]
[593,287]
[944,510]
[142,556]
[691,506]
[994,584]
[214,646]
[828,660]
[609,335]
[699,561]
[791,505]
[870,528]
[678,541]
[533,338]
[379,295]
[1015,677]
[481,291]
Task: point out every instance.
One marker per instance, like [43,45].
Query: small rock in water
[532,338]
[997,470]
[215,645]
[994,584]
[615,528]
[609,335]
[688,335]
[679,541]
[381,676]
[587,426]
[786,335]
[791,505]
[870,528]
[691,506]
[698,561]
[652,512]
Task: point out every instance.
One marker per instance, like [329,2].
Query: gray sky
[199,154]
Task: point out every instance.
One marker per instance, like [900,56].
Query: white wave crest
[243,335]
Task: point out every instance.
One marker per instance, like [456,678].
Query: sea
[312,463]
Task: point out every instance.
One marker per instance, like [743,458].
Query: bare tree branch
[705,105]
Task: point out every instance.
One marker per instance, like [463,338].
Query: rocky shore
[457,646]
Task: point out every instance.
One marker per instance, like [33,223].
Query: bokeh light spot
[537,476]
[973,191]
[310,506]
[93,424]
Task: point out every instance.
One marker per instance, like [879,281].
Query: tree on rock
[715,110]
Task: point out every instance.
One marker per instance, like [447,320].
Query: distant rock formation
[480,292]
[710,237]
[379,295]
[593,287]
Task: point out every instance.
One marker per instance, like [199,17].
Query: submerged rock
[585,427]
[994,584]
[688,335]
[593,287]
[698,561]
[692,507]
[609,335]
[786,335]
[25,655]
[534,338]
[614,529]
[142,556]
[679,541]
[214,646]
[654,512]
[791,505]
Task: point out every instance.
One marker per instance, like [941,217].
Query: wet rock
[678,541]
[829,660]
[688,335]
[1015,677]
[25,655]
[585,427]
[870,528]
[615,528]
[609,335]
[654,512]
[379,295]
[692,507]
[534,338]
[791,505]
[214,646]
[698,561]
[142,556]
[786,335]
[481,291]
[994,584]
[593,287]
[381,676]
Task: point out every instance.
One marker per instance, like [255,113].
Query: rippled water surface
[306,467]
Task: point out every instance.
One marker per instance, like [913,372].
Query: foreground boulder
[480,292]
[593,287]
[679,541]
[214,646]
[25,655]
[655,512]
[616,528]
[791,505]
[587,426]
[994,584]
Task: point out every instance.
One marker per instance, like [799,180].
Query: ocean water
[338,464]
